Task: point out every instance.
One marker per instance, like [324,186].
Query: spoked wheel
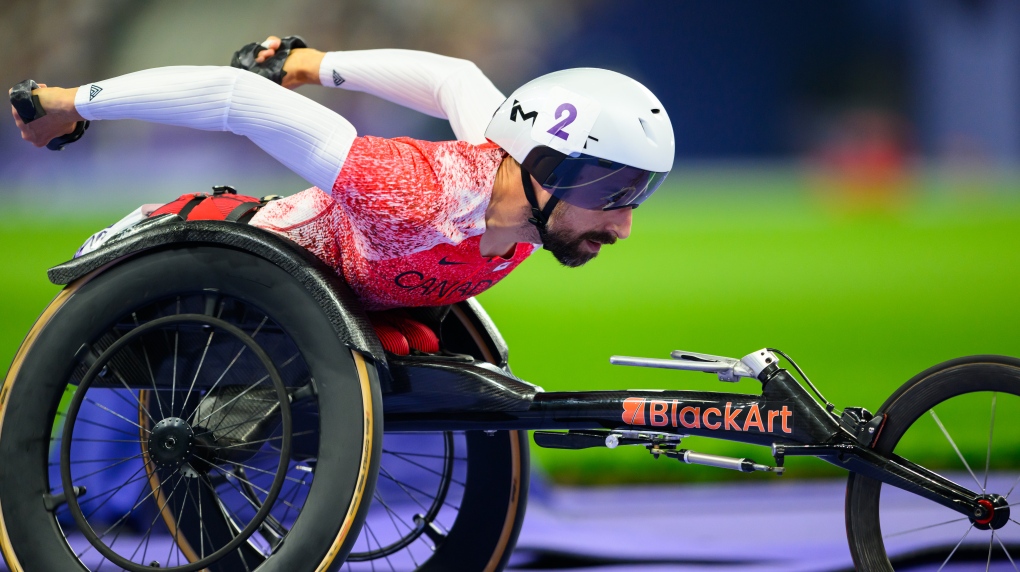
[194,439]
[180,400]
[445,501]
[960,419]
[417,473]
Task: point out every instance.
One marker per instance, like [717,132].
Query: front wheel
[959,419]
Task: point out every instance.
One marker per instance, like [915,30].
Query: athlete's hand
[61,118]
[271,44]
[301,66]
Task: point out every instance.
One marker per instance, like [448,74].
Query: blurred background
[845,186]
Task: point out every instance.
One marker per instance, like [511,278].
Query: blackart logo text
[661,413]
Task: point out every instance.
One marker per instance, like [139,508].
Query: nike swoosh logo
[444,262]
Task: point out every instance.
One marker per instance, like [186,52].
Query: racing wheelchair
[218,385]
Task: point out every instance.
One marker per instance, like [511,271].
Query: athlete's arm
[440,86]
[306,137]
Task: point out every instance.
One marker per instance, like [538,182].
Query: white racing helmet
[593,138]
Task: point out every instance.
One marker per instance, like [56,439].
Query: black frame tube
[445,396]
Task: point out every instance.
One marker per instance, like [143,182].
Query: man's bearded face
[572,247]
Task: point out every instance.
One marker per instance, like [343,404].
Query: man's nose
[620,222]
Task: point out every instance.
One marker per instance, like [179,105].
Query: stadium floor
[790,526]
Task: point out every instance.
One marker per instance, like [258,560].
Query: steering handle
[29,109]
[25,103]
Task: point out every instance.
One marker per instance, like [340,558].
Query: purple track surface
[764,525]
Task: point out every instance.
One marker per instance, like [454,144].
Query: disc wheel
[959,419]
[160,353]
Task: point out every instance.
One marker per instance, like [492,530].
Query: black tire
[481,505]
[977,400]
[346,406]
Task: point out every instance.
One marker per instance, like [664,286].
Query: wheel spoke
[138,402]
[82,439]
[201,524]
[431,456]
[955,448]
[249,483]
[988,456]
[991,540]
[232,400]
[263,471]
[203,534]
[246,443]
[229,365]
[223,509]
[293,498]
[148,533]
[999,540]
[920,528]
[111,411]
[113,490]
[394,519]
[90,422]
[392,514]
[104,468]
[433,471]
[379,544]
[148,365]
[198,370]
[130,510]
[177,520]
[946,561]
[173,384]
[1017,481]
[404,486]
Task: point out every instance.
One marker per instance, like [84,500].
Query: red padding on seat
[412,334]
[391,338]
[419,336]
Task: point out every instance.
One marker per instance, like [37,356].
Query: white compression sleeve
[440,86]
[306,137]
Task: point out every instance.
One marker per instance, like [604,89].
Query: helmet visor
[597,184]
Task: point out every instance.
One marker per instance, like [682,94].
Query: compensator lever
[743,465]
[727,368]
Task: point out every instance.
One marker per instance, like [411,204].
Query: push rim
[422,477]
[174,446]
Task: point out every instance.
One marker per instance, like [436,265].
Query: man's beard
[568,247]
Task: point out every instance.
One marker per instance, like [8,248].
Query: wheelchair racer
[560,163]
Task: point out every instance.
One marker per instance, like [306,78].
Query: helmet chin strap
[539,216]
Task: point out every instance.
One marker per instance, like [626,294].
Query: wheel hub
[992,514]
[171,443]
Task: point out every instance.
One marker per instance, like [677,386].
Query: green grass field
[863,298]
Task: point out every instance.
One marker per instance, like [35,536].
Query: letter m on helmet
[524,116]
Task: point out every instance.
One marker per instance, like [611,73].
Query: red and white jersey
[403,221]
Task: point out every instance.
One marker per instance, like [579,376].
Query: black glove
[272,68]
[29,109]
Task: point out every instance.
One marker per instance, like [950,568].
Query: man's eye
[613,198]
